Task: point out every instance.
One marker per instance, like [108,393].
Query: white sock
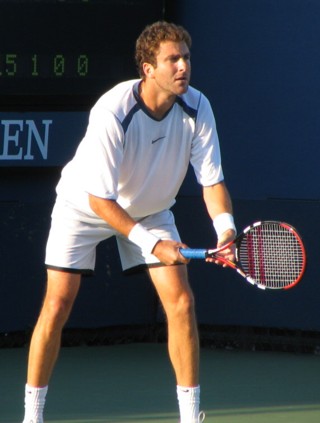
[189,402]
[34,401]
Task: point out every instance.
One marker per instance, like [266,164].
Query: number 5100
[15,65]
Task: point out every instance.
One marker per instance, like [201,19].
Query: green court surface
[134,383]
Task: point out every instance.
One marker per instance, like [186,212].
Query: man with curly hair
[122,182]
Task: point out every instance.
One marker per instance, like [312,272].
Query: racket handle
[192,253]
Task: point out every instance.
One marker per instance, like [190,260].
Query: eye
[174,59]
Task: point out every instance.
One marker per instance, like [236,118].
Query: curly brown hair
[148,43]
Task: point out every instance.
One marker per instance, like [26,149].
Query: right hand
[168,252]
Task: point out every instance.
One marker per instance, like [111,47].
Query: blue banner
[40,139]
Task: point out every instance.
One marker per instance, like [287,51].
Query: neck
[157,102]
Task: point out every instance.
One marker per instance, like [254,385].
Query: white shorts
[72,241]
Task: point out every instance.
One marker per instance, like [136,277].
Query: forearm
[219,206]
[217,200]
[111,212]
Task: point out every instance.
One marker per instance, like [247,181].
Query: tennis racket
[268,254]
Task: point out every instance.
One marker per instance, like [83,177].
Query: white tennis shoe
[201,417]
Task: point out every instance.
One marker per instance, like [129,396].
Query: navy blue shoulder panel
[126,121]
[190,111]
[128,118]
[187,109]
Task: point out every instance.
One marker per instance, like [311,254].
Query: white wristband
[223,222]
[143,238]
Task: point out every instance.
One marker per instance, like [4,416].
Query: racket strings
[272,255]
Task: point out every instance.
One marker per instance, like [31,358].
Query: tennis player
[122,182]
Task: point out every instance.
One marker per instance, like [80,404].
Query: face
[173,69]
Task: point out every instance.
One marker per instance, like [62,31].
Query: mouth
[182,79]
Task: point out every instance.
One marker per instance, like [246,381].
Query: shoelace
[201,417]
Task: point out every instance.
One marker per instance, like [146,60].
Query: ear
[148,70]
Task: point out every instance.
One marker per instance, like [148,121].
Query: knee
[184,305]
[55,312]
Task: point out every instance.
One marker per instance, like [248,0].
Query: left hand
[228,253]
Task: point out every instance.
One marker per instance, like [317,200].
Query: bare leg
[172,285]
[62,289]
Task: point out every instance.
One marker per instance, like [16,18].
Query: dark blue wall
[258,63]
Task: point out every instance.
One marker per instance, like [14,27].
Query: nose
[183,63]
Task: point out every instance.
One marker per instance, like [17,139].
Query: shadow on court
[134,383]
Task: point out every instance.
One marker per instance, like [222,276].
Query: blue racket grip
[192,253]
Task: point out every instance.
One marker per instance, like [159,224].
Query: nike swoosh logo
[157,139]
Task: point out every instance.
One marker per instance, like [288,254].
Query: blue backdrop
[258,63]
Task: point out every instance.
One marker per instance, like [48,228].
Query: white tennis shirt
[129,156]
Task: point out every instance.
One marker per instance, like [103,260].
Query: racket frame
[214,253]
